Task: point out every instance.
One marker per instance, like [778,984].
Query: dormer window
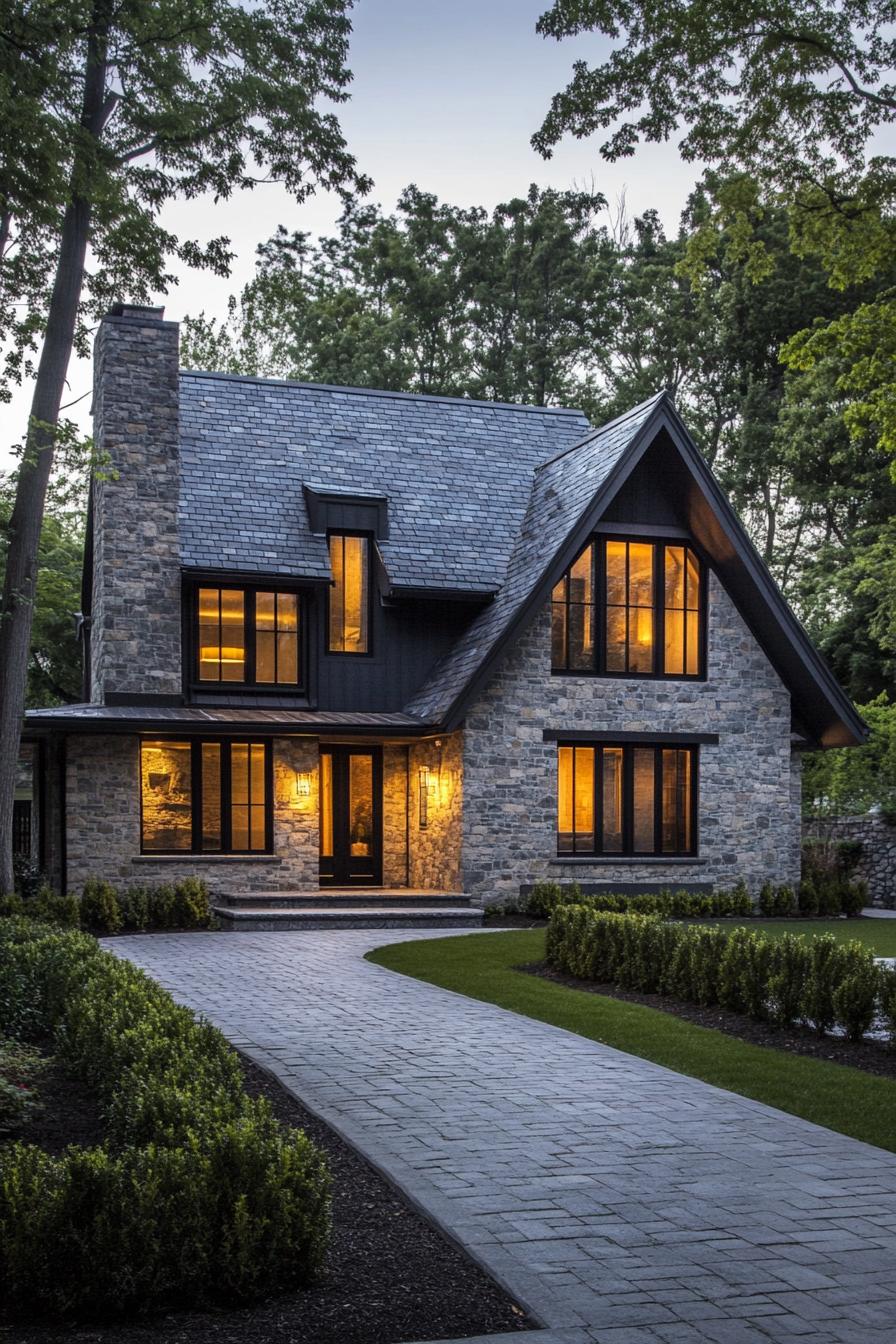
[349,607]
[630,608]
[248,636]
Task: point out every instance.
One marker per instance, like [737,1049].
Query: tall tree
[109,109]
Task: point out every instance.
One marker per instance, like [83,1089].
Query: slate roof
[457,473]
[563,489]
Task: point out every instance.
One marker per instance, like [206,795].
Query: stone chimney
[135,620]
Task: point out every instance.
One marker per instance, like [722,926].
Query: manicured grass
[482,967]
[878,934]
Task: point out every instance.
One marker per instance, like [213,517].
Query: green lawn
[878,934]
[482,967]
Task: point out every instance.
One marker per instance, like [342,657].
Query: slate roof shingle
[563,489]
[457,474]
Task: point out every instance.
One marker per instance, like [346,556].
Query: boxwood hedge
[815,980]
[197,1196]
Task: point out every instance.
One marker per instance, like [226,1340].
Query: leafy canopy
[128,104]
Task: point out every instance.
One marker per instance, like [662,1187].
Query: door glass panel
[360,806]
[643,763]
[167,793]
[326,805]
[612,800]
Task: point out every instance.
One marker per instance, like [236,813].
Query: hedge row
[102,908]
[846,898]
[197,1195]
[790,979]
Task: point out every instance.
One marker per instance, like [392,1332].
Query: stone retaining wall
[877,865]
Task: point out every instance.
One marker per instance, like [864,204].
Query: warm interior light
[424,796]
[303,784]
[210,653]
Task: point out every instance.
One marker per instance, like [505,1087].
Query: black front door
[351,816]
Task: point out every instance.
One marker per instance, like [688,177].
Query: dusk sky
[445,96]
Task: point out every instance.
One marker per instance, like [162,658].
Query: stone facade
[435,860]
[395,816]
[135,631]
[748,782]
[103,813]
[877,864]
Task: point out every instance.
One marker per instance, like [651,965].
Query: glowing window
[349,610]
[248,635]
[626,800]
[205,797]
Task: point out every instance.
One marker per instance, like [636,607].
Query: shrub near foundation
[196,1197]
[784,980]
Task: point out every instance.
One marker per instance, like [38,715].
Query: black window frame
[367,537]
[226,743]
[249,682]
[599,543]
[628,851]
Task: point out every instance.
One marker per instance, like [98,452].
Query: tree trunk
[17,603]
[20,582]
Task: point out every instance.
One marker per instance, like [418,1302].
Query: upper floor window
[349,609]
[630,608]
[248,635]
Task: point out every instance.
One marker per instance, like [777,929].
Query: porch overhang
[194,719]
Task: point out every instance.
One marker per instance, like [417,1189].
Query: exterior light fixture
[423,776]
[303,784]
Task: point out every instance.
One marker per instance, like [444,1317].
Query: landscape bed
[386,1275]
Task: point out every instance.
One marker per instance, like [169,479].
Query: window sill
[206,858]
[626,860]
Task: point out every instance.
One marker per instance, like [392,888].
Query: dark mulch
[70,1113]
[871,1056]
[390,1276]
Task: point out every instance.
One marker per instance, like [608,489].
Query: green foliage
[767,900]
[100,910]
[196,1197]
[54,666]
[546,896]
[888,1001]
[785,980]
[20,1070]
[850,781]
[807,897]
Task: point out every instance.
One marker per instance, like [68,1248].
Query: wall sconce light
[303,784]
[424,797]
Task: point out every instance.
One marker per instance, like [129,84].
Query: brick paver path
[619,1201]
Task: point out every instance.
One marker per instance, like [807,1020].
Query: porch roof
[183,718]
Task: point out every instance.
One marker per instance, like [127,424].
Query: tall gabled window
[626,800]
[630,608]
[205,797]
[349,607]
[248,635]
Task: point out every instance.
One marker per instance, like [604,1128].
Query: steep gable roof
[457,474]
[569,494]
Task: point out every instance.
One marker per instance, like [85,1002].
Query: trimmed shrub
[100,910]
[854,897]
[785,980]
[197,1195]
[807,897]
[11,905]
[785,902]
[887,991]
[191,907]
[768,900]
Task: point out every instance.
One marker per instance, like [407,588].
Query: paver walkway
[621,1202]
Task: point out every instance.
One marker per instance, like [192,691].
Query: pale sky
[445,96]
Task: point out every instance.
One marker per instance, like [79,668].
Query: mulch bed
[390,1276]
[871,1056]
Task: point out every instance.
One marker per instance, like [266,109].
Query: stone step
[341,898]
[264,919]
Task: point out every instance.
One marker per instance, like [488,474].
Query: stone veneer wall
[436,848]
[395,812]
[135,632]
[103,811]
[877,864]
[749,810]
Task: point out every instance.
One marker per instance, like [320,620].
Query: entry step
[338,898]
[258,918]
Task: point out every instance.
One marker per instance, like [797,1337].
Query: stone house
[337,638]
